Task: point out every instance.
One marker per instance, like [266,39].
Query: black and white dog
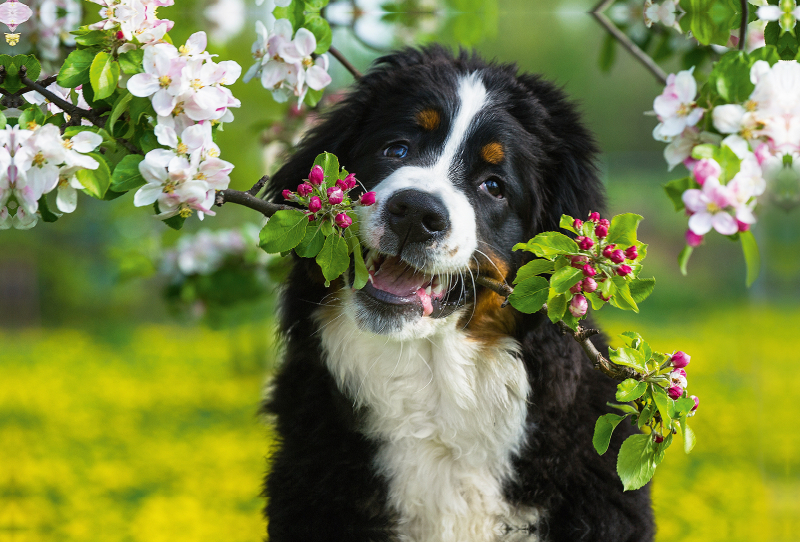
[418,409]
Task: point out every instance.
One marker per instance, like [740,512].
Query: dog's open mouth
[396,282]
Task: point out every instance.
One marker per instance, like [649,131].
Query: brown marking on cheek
[429,119]
[491,322]
[493,153]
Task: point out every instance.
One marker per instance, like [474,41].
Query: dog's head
[467,159]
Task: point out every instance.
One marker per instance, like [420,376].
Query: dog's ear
[569,173]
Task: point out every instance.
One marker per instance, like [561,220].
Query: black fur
[321,484]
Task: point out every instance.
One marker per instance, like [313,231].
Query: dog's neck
[448,412]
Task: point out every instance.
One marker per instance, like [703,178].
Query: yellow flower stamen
[165,81]
[196,84]
[308,62]
[67,143]
[183,148]
[39,160]
[185,212]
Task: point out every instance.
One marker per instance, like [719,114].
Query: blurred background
[129,387]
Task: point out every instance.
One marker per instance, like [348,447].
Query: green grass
[151,435]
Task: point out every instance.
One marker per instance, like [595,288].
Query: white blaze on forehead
[455,251]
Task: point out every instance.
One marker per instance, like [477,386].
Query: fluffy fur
[437,417]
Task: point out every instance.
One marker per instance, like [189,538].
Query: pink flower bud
[120,35]
[584,243]
[578,306]
[342,220]
[311,217]
[588,284]
[742,225]
[288,195]
[623,270]
[335,195]
[341,184]
[367,198]
[315,204]
[706,169]
[617,256]
[608,250]
[350,181]
[588,271]
[579,261]
[317,175]
[692,239]
[631,253]
[658,438]
[594,217]
[675,392]
[680,359]
[601,231]
[604,298]
[576,289]
[304,189]
[604,222]
[577,223]
[696,402]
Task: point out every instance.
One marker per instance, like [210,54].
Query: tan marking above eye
[429,119]
[493,153]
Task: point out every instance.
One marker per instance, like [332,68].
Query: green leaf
[626,408]
[126,175]
[104,74]
[316,5]
[565,278]
[623,229]
[531,269]
[661,449]
[640,289]
[676,188]
[95,181]
[729,162]
[75,70]
[284,231]
[689,439]
[312,242]
[330,165]
[731,76]
[333,258]
[95,37]
[683,406]
[751,256]
[635,463]
[628,357]
[3,121]
[131,62]
[50,216]
[664,404]
[595,301]
[556,306]
[683,258]
[530,295]
[623,299]
[120,106]
[566,223]
[322,32]
[361,273]
[175,222]
[140,106]
[607,53]
[706,150]
[630,390]
[644,417]
[549,245]
[603,429]
[12,81]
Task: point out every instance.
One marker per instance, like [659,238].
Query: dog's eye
[396,150]
[493,186]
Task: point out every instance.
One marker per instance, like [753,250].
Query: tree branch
[743,28]
[72,109]
[250,199]
[346,63]
[626,42]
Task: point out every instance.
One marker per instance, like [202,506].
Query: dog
[419,408]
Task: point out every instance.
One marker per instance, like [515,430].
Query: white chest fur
[450,412]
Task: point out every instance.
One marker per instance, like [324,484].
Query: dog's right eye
[396,150]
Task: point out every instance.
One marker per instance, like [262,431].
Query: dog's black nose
[416,216]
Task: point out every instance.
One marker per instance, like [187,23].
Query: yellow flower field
[152,435]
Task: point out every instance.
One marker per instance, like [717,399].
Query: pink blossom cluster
[677,378]
[325,202]
[132,18]
[188,93]
[763,132]
[597,259]
[286,65]
[36,160]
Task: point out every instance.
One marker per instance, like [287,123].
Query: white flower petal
[86,141]
[700,223]
[67,199]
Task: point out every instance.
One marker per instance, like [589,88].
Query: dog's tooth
[438,288]
[371,268]
[435,281]
[428,290]
[371,280]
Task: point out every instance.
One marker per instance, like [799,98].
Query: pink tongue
[399,278]
[427,306]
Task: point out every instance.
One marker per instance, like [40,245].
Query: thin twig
[249,199]
[743,28]
[626,42]
[346,63]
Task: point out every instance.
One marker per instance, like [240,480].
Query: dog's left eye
[493,186]
[396,150]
